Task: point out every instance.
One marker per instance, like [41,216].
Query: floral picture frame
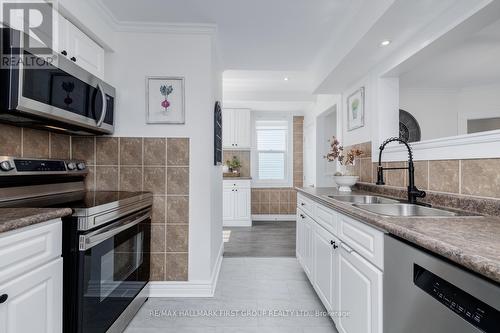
[356,109]
[165,101]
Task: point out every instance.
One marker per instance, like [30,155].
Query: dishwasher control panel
[471,309]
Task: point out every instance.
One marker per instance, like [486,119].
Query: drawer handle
[346,248]
[3,298]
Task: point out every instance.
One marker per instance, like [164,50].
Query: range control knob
[6,166]
[71,166]
[81,166]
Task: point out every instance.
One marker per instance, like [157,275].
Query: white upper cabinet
[79,48]
[236,129]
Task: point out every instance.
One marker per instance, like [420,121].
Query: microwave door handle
[104,105]
[90,240]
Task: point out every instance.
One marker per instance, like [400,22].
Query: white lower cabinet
[360,293]
[344,280]
[325,263]
[31,273]
[236,203]
[34,302]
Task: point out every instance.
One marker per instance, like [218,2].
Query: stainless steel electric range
[106,242]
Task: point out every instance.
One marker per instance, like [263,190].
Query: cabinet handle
[335,246]
[3,298]
[73,59]
[303,216]
[302,204]
[64,53]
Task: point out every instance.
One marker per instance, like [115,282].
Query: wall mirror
[449,92]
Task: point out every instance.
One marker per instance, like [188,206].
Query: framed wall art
[165,100]
[356,109]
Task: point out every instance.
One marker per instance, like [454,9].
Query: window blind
[271,149]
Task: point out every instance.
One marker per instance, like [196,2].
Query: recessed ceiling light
[286,79]
[385,42]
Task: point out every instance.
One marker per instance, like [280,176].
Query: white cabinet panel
[24,249]
[365,240]
[78,47]
[360,293]
[325,263]
[242,205]
[236,129]
[228,204]
[237,203]
[34,301]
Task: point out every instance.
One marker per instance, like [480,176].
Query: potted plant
[342,178]
[234,165]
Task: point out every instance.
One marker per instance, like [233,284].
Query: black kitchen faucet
[413,191]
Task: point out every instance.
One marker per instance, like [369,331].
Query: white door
[85,52]
[242,203]
[34,302]
[360,293]
[325,264]
[228,204]
[309,158]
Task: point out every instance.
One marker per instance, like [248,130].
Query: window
[271,152]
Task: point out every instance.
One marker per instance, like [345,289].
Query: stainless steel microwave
[58,96]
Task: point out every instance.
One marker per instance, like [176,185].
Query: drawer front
[27,248]
[327,218]
[237,183]
[306,204]
[365,240]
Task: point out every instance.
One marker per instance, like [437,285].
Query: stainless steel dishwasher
[424,293]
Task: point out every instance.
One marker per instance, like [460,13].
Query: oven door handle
[92,239]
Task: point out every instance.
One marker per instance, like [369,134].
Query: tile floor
[262,239]
[245,284]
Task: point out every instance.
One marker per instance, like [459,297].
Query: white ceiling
[468,62]
[278,35]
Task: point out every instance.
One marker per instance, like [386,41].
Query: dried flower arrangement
[337,153]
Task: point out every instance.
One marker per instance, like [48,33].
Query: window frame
[265,183]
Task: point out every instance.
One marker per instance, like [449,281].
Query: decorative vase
[344,183]
[225,169]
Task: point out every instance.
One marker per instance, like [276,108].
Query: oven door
[114,268]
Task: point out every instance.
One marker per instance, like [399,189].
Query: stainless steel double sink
[389,207]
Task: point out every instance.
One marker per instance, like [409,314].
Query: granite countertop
[470,241]
[15,218]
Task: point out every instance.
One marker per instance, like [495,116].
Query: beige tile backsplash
[477,177]
[159,165]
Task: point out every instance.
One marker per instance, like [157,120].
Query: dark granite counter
[15,218]
[470,241]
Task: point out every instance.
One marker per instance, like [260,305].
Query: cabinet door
[228,204]
[34,301]
[242,203]
[84,51]
[360,293]
[307,246]
[299,235]
[324,264]
[242,127]
[227,128]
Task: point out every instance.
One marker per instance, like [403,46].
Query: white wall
[364,133]
[314,164]
[138,55]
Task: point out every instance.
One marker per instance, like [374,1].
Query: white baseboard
[274,218]
[188,288]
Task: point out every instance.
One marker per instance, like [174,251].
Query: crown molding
[155,27]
